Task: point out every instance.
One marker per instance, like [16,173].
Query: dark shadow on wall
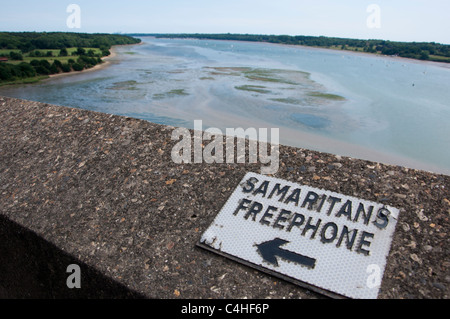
[32,268]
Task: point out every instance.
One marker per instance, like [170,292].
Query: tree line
[38,45]
[29,41]
[13,72]
[415,50]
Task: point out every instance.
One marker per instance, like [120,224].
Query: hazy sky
[401,20]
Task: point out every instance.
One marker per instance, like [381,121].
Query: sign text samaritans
[306,219]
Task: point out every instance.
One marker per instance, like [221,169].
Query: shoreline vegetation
[424,51]
[29,57]
[105,62]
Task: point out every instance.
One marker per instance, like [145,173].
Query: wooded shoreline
[29,57]
[424,51]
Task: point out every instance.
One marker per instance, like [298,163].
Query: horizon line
[223,33]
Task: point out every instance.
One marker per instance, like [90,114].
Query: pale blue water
[395,110]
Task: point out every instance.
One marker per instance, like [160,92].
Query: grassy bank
[30,80]
[54,55]
[30,57]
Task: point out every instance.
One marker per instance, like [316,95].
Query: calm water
[384,109]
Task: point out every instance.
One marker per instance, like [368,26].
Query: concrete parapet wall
[102,191]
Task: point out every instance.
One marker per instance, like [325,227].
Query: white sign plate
[328,241]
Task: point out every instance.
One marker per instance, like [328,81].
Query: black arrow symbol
[269,251]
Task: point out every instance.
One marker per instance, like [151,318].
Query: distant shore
[428,51]
[29,57]
[105,63]
[41,78]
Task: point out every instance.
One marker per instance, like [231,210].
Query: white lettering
[374,279]
[374,19]
[213,152]
[74,280]
[209,310]
[74,20]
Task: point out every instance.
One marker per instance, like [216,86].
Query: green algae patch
[253,88]
[290,100]
[124,85]
[170,94]
[327,96]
